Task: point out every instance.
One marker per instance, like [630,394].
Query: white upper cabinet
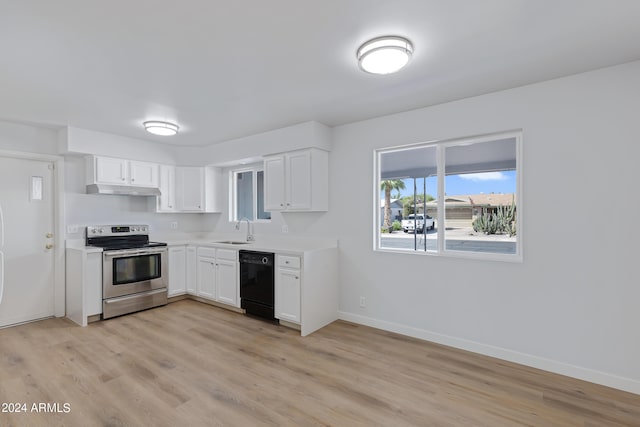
[167,184]
[190,189]
[143,174]
[109,170]
[297,181]
[274,182]
[198,189]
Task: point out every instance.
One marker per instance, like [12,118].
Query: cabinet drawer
[227,254]
[208,252]
[289,261]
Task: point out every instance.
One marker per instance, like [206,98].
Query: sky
[472,183]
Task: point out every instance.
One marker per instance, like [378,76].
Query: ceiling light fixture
[384,55]
[161,128]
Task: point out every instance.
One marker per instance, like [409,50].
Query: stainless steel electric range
[134,271]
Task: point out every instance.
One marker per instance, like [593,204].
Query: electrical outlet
[174,225]
[363,302]
[73,229]
[285,228]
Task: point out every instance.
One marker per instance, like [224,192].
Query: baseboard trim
[597,377]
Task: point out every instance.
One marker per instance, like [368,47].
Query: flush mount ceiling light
[161,128]
[384,55]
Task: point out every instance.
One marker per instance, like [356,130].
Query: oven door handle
[113,254]
[138,295]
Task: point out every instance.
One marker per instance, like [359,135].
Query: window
[247,194]
[457,198]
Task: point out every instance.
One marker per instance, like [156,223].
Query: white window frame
[441,146]
[233,198]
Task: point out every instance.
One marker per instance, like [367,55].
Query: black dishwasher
[256,283]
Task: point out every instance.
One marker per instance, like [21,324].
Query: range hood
[125,190]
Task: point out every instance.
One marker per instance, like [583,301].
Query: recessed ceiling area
[224,70]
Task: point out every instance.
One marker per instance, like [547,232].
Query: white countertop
[263,243]
[284,245]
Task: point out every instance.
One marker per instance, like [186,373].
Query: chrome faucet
[249,233]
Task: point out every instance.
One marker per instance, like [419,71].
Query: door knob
[49,246]
[49,235]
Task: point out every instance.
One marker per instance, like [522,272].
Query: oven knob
[101,230]
[134,229]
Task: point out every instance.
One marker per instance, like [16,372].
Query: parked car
[417,223]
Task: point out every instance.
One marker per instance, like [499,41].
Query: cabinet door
[287,299]
[298,181]
[192,269]
[167,184]
[206,277]
[111,171]
[274,187]
[190,189]
[177,270]
[143,174]
[227,282]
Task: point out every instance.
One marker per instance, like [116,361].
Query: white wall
[572,306]
[253,147]
[83,141]
[22,137]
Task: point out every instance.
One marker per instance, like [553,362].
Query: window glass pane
[480,197]
[244,195]
[260,196]
[408,186]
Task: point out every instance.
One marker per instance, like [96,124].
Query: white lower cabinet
[206,273]
[192,268]
[177,270]
[218,275]
[287,288]
[227,290]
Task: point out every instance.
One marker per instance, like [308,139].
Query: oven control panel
[116,230]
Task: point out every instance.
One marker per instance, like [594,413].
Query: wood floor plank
[193,364]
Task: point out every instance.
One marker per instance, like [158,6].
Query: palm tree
[387,186]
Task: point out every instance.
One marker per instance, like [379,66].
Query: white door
[206,277]
[177,271]
[299,181]
[192,268]
[288,295]
[111,171]
[26,199]
[143,174]
[274,184]
[167,199]
[190,189]
[227,282]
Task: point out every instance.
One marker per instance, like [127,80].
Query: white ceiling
[226,69]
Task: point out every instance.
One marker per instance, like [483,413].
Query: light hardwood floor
[190,364]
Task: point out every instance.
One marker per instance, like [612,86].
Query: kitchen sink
[232,242]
